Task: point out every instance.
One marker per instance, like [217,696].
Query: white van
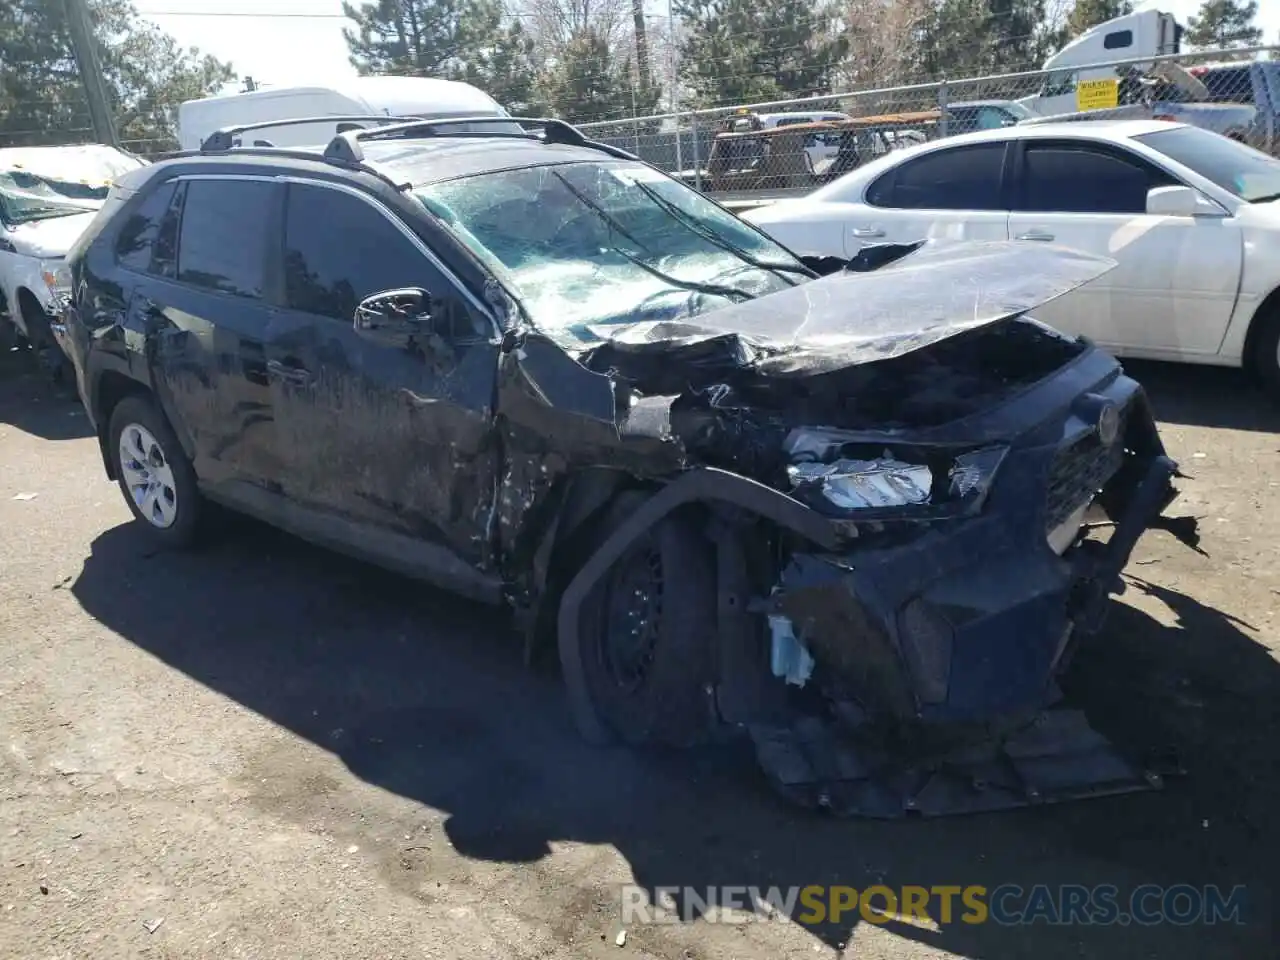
[380,97]
[1142,34]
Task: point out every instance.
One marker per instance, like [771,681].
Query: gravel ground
[271,751]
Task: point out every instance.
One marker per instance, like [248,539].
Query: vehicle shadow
[30,401]
[1196,395]
[425,696]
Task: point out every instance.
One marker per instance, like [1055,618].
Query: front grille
[1080,469]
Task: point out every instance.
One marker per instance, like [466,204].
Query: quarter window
[963,178]
[222,241]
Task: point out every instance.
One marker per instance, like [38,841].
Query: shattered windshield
[610,242]
[38,183]
[26,196]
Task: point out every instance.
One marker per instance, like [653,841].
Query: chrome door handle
[1035,235]
[290,374]
[868,232]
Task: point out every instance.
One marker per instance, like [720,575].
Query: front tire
[153,473]
[1264,361]
[648,633]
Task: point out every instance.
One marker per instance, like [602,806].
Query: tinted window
[339,250]
[1118,40]
[966,178]
[138,235]
[223,237]
[1229,85]
[1064,178]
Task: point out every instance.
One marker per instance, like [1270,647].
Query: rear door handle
[1035,235]
[867,233]
[288,373]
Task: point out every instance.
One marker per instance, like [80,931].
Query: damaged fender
[703,484]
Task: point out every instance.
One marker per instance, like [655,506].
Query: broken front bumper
[936,657]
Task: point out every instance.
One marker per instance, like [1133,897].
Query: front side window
[1249,174]
[606,242]
[136,242]
[339,249]
[222,240]
[962,178]
[1079,178]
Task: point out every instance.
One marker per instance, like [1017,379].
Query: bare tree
[883,38]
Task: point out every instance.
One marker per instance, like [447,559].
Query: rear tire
[154,474]
[648,632]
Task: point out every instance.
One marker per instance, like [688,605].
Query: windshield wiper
[694,286]
[48,213]
[1266,198]
[711,237]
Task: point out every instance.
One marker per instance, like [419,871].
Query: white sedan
[1191,217]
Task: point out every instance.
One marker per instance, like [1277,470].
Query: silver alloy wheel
[148,476]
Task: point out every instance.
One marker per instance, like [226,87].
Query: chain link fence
[789,147]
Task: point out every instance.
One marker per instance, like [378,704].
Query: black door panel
[402,439]
[200,320]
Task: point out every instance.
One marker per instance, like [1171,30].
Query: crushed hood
[52,237]
[943,289]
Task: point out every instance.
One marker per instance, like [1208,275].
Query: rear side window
[1069,178]
[964,178]
[222,241]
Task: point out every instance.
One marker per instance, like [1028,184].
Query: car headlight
[901,480]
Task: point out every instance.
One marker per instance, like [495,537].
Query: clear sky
[284,42]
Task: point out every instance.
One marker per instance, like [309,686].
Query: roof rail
[345,147]
[224,138]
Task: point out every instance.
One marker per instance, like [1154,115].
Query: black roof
[405,161]
[432,160]
[405,152]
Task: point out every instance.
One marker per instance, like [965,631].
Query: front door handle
[1036,235]
[867,233]
[288,373]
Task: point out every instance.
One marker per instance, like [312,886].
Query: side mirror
[394,318]
[1180,202]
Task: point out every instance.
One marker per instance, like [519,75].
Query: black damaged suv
[837,507]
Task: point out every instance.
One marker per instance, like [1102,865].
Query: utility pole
[95,86]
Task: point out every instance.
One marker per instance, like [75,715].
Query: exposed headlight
[57,278]
[890,481]
[858,484]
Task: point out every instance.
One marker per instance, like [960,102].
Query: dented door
[202,313]
[399,438]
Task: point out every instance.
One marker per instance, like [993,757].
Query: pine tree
[468,40]
[1090,13]
[42,98]
[1224,23]
[739,51]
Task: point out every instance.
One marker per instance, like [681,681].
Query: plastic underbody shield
[1055,757]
